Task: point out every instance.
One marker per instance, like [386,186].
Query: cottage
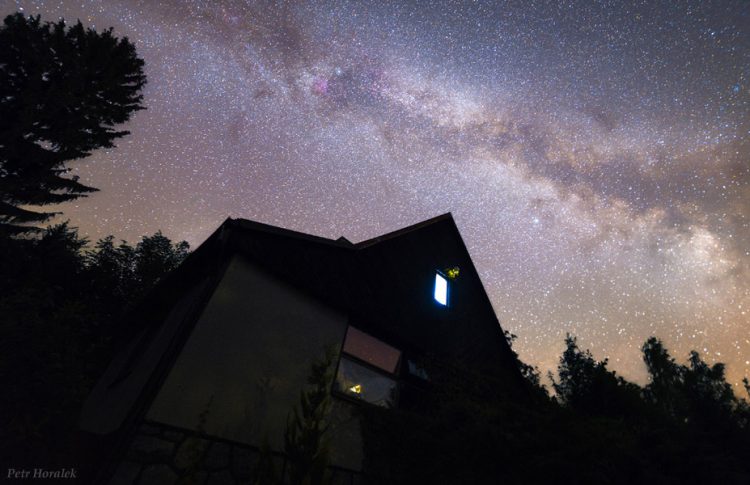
[225,344]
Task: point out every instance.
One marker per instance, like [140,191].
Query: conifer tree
[63,90]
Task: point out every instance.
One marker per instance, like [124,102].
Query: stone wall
[163,455]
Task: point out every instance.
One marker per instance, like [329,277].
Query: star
[594,157]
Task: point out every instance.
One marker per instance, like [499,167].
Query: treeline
[65,92]
[685,426]
[61,309]
[696,393]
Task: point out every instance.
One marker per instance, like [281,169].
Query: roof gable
[384,284]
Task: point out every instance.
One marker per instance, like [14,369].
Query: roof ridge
[342,241]
[248,224]
[404,230]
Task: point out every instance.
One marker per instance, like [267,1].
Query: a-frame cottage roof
[383,285]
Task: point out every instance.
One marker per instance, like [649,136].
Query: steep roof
[384,284]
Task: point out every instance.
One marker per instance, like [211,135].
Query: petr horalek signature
[36,473]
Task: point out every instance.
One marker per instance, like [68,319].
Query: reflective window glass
[416,370]
[358,381]
[371,350]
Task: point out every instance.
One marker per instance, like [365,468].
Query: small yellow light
[452,273]
[356,389]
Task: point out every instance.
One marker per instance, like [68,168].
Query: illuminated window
[367,369]
[441,289]
[358,381]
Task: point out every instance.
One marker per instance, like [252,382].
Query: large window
[367,369]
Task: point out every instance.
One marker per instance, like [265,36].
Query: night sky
[595,156]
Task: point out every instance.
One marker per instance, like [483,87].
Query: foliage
[696,393]
[604,430]
[62,92]
[587,386]
[306,437]
[530,373]
[306,441]
[666,375]
[59,308]
[126,272]
[452,273]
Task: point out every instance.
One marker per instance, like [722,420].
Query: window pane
[416,370]
[441,289]
[371,350]
[360,382]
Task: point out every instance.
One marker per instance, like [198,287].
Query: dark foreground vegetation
[61,308]
[64,90]
[685,426]
[61,319]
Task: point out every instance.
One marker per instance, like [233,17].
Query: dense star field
[596,156]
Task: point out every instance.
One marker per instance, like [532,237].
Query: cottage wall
[163,455]
[243,367]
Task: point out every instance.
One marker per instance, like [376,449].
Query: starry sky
[595,155]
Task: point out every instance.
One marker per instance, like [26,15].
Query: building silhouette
[225,343]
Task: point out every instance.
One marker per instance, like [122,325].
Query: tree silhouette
[59,309]
[62,92]
[665,389]
[697,392]
[530,373]
[712,396]
[587,386]
[306,440]
[123,273]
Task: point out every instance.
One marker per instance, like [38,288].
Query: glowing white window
[441,289]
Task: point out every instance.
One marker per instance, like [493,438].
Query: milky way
[595,156]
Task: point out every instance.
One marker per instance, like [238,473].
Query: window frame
[395,376]
[440,274]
